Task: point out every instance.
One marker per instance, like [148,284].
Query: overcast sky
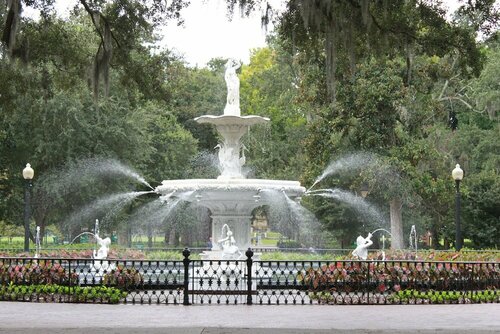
[207,33]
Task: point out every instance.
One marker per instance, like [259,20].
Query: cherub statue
[362,245]
[102,252]
[228,244]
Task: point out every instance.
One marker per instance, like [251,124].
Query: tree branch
[91,13]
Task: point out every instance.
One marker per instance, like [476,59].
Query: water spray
[37,242]
[413,239]
[96,232]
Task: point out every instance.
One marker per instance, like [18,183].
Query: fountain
[413,239]
[99,266]
[231,197]
[37,243]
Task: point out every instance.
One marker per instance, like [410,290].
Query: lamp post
[28,174]
[458,175]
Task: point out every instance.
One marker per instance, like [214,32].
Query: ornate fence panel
[246,281]
[218,282]
[376,282]
[91,281]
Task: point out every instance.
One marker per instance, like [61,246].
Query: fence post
[69,276]
[368,285]
[186,262]
[249,254]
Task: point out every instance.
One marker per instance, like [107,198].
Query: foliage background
[337,78]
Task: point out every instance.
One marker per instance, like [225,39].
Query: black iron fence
[248,281]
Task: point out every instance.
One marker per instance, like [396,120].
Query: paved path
[16,317]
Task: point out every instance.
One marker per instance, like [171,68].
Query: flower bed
[35,272]
[398,281]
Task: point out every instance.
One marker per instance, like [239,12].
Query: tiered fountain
[231,197]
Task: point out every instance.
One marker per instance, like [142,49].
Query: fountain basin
[230,201]
[225,186]
[240,121]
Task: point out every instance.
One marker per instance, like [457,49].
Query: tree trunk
[172,240]
[434,237]
[150,236]
[396,224]
[129,234]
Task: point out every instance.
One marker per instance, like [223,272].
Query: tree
[346,30]
[366,70]
[267,89]
[120,27]
[196,92]
[51,120]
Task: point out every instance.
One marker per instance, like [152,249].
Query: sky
[208,33]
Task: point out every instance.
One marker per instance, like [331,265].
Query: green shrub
[444,297]
[288,244]
[60,293]
[165,255]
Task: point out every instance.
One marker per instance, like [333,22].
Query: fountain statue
[100,266]
[102,252]
[233,88]
[362,244]
[231,197]
[228,245]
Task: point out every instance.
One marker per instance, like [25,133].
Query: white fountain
[231,197]
[100,265]
[38,245]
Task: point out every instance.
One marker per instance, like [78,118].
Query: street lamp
[28,174]
[458,175]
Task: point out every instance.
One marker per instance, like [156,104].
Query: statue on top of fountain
[362,245]
[233,88]
[228,245]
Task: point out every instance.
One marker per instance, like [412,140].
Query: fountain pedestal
[231,151]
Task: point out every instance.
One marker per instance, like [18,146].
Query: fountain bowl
[231,201]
